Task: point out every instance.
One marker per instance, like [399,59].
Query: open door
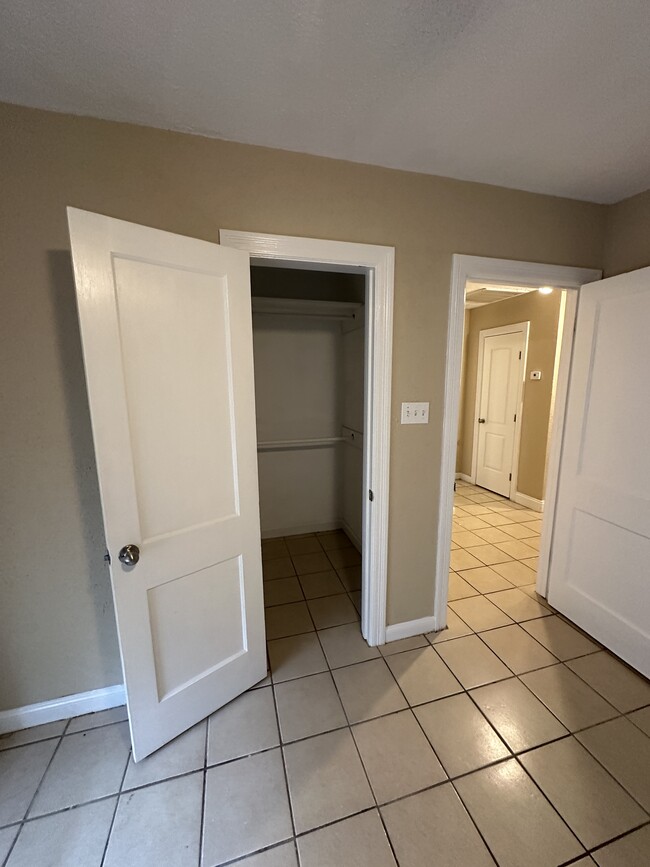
[599,573]
[167,342]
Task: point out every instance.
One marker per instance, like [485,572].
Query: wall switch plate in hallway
[415,413]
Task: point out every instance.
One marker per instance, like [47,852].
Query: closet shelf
[293,445]
[346,310]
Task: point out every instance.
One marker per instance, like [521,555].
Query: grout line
[203,790]
[117,803]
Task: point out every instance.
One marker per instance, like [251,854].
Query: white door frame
[518,328]
[498,271]
[378,263]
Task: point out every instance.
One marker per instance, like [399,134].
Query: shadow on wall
[90,564]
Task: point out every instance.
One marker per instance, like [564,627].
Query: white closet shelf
[291,445]
[299,307]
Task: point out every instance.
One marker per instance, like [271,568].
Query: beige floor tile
[253,787]
[279,567]
[641,719]
[625,751]
[492,535]
[245,725]
[95,720]
[507,506]
[397,756]
[326,779]
[332,611]
[422,676]
[479,613]
[630,851]
[321,584]
[485,580]
[519,531]
[355,596]
[515,572]
[535,525]
[285,620]
[184,754]
[495,519]
[368,690]
[350,578]
[274,548]
[308,706]
[403,644]
[466,539]
[574,703]
[454,546]
[87,765]
[463,560]
[459,588]
[33,734]
[490,554]
[158,824]
[535,542]
[565,771]
[343,558]
[21,771]
[562,640]
[433,827]
[303,545]
[517,822]
[459,500]
[520,718]
[617,683]
[296,656]
[359,840]
[455,629]
[517,649]
[344,645]
[516,549]
[517,605]
[474,509]
[283,855]
[334,539]
[471,522]
[531,590]
[308,563]
[531,562]
[282,591]
[459,733]
[472,662]
[74,837]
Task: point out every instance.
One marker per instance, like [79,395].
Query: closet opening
[309,348]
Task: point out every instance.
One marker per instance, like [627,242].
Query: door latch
[371,496]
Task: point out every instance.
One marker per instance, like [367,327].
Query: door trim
[498,271]
[517,328]
[378,263]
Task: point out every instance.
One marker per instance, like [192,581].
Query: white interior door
[599,573]
[499,383]
[167,341]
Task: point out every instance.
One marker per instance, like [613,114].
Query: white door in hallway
[167,341]
[499,383]
[599,573]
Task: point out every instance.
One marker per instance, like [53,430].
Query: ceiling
[478,294]
[544,95]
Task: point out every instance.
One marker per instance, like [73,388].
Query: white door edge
[464,268]
[517,328]
[378,263]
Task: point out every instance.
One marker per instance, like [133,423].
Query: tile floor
[509,738]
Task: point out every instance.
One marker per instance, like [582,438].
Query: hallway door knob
[481,421]
[129,555]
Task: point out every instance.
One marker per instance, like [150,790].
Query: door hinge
[520,356]
[371,496]
[515,418]
[107,557]
[510,477]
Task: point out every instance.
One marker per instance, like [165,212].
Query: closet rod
[291,445]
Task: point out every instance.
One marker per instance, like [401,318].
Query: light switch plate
[415,413]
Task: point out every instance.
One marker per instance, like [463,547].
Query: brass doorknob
[481,421]
[129,555]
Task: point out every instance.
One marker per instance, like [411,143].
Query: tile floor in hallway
[509,738]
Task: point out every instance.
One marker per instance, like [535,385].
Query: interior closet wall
[308,384]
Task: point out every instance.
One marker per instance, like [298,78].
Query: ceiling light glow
[545,290]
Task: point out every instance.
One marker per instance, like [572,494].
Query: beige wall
[627,241]
[542,311]
[57,631]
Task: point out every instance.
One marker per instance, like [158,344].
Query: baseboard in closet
[301,530]
[61,708]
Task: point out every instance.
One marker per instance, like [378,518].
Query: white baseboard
[529,502]
[349,532]
[61,708]
[407,628]
[301,529]
[464,478]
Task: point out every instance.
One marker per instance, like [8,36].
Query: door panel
[599,574]
[499,382]
[167,338]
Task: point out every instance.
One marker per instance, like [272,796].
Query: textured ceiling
[545,95]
